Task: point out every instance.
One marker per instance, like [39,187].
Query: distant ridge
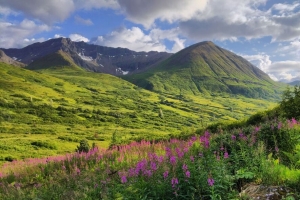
[294,83]
[207,68]
[115,61]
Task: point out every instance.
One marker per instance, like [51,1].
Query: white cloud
[135,39]
[285,71]
[92,4]
[292,49]
[262,61]
[80,20]
[146,12]
[78,38]
[45,11]
[224,20]
[282,8]
[16,35]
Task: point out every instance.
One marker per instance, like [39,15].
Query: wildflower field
[205,166]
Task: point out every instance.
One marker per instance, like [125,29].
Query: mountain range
[116,61]
[200,68]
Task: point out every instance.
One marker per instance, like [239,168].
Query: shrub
[83,146]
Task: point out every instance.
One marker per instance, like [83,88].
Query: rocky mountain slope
[8,60]
[116,61]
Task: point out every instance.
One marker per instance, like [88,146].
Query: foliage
[83,146]
[290,102]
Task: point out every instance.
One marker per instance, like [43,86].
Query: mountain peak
[205,67]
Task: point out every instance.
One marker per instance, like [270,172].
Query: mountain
[207,68]
[294,83]
[116,61]
[8,60]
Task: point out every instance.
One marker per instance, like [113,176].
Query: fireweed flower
[210,181]
[192,158]
[276,149]
[233,137]
[173,160]
[153,166]
[166,174]
[123,179]
[188,174]
[184,167]
[174,182]
[226,155]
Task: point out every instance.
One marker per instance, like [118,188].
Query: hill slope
[207,68]
[58,106]
[6,59]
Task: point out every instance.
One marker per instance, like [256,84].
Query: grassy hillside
[208,69]
[48,112]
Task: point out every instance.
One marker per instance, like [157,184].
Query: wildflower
[148,173]
[179,153]
[257,128]
[96,185]
[160,159]
[123,179]
[200,155]
[166,174]
[173,160]
[233,137]
[64,167]
[188,174]
[174,182]
[153,166]
[210,181]
[192,158]
[226,155]
[184,167]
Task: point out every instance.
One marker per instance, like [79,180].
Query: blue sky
[265,32]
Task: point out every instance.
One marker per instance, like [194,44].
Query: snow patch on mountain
[83,57]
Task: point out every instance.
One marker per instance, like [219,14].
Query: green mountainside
[57,106]
[54,60]
[207,68]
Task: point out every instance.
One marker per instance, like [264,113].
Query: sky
[265,32]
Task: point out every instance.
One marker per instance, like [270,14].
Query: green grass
[63,105]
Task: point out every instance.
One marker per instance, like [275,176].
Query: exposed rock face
[6,59]
[116,61]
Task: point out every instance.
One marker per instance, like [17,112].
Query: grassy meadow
[70,134]
[47,112]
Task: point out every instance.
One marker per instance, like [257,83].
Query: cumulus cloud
[92,4]
[292,49]
[135,39]
[18,34]
[45,11]
[223,20]
[262,61]
[284,71]
[78,38]
[146,12]
[80,20]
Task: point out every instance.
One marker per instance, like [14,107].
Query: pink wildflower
[174,182]
[210,181]
[123,179]
[173,160]
[188,174]
[166,174]
[226,155]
